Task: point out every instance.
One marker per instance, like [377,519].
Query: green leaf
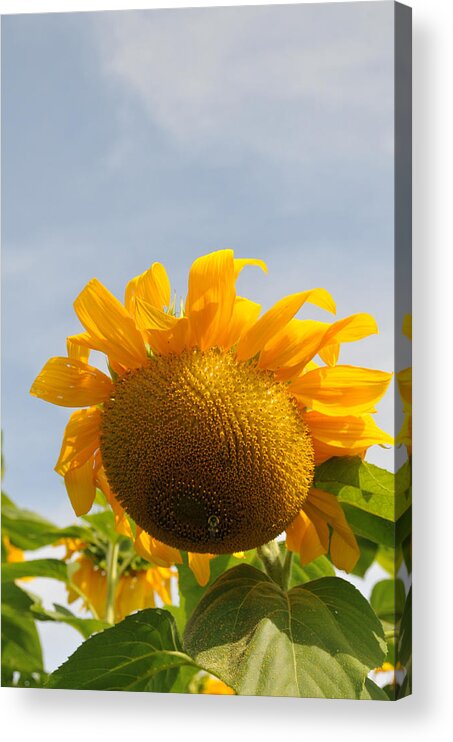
[189,589]
[387,600]
[317,640]
[368,552]
[405,640]
[390,559]
[85,626]
[21,646]
[29,531]
[142,653]
[53,568]
[365,486]
[378,530]
[321,567]
[104,523]
[372,692]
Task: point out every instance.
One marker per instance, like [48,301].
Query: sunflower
[207,429]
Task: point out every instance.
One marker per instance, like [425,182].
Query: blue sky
[141,136]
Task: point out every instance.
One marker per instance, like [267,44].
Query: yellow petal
[78,346]
[71,383]
[216,687]
[240,263]
[344,550]
[277,318]
[210,298]
[245,313]
[325,339]
[153,286]
[81,487]
[122,524]
[407,326]
[294,344]
[150,318]
[13,553]
[200,566]
[341,390]
[164,332]
[174,340]
[348,435]
[110,327]
[330,353]
[404,379]
[155,551]
[303,538]
[159,579]
[80,440]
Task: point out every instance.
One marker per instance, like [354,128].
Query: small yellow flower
[135,590]
[208,432]
[13,553]
[216,687]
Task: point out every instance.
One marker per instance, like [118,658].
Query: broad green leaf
[53,568]
[368,552]
[142,653]
[29,531]
[372,692]
[21,646]
[387,600]
[321,567]
[189,589]
[85,626]
[376,529]
[365,486]
[317,640]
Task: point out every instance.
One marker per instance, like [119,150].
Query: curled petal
[210,298]
[303,538]
[71,383]
[155,551]
[110,327]
[153,286]
[245,313]
[200,566]
[78,346]
[80,440]
[348,435]
[344,550]
[81,487]
[341,390]
[240,263]
[277,318]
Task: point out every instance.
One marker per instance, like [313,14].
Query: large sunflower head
[208,427]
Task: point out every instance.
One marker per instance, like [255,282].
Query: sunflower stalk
[112,579]
[276,565]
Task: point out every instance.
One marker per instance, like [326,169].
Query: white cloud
[287,82]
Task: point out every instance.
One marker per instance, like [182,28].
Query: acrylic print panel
[206,351]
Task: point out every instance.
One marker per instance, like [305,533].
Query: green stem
[287,568]
[112,578]
[278,569]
